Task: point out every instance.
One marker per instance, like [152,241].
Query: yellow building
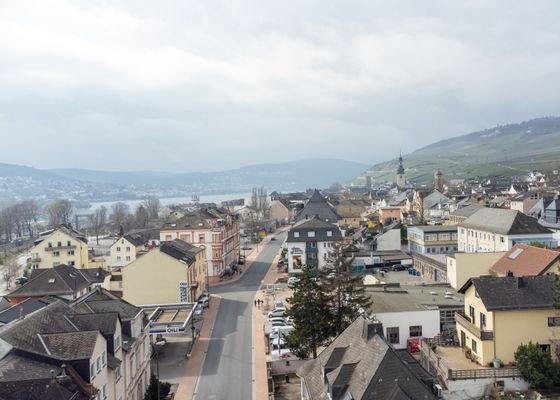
[463,266]
[502,313]
[350,212]
[172,273]
[62,245]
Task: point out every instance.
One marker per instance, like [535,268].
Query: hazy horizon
[200,87]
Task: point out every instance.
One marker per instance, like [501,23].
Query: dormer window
[329,233]
[311,234]
[296,234]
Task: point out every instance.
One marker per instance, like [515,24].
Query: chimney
[509,274]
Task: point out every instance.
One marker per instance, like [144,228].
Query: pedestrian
[239,271]
[255,302]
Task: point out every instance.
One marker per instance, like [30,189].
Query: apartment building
[215,230]
[432,239]
[495,229]
[62,245]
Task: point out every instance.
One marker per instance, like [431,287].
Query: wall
[429,319]
[279,212]
[463,266]
[101,378]
[153,279]
[390,240]
[476,389]
[473,240]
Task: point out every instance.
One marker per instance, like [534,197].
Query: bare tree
[152,206]
[59,212]
[141,216]
[98,221]
[119,213]
[259,202]
[30,211]
[6,223]
[10,272]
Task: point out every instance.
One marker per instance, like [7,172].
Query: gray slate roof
[364,366]
[318,205]
[514,293]
[14,367]
[70,345]
[502,221]
[180,250]
[316,225]
[54,281]
[23,308]
[467,211]
[105,322]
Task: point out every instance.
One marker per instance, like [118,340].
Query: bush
[536,366]
[151,391]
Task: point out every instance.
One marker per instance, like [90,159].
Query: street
[227,372]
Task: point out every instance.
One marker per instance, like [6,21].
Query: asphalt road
[228,368]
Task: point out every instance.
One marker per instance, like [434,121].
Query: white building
[496,229]
[125,250]
[309,243]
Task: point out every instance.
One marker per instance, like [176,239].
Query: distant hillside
[284,176]
[20,171]
[508,150]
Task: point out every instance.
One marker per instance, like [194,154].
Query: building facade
[436,239]
[215,230]
[62,245]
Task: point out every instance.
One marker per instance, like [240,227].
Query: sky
[210,85]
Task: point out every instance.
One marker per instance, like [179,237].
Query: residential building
[215,229]
[134,371]
[360,364]
[432,239]
[62,245]
[172,273]
[125,250]
[350,212]
[63,281]
[280,210]
[408,311]
[495,229]
[309,243]
[490,324]
[523,202]
[83,347]
[463,266]
[525,260]
[318,205]
[462,214]
[390,214]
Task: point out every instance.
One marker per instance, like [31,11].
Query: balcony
[311,250]
[58,248]
[35,258]
[465,321]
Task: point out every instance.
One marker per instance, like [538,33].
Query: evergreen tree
[310,314]
[345,290]
[536,366]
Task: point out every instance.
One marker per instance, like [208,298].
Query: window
[92,370]
[502,239]
[59,244]
[118,373]
[553,321]
[168,238]
[329,233]
[183,237]
[72,263]
[472,314]
[49,245]
[69,243]
[118,249]
[70,252]
[56,253]
[128,249]
[393,335]
[127,258]
[116,343]
[482,320]
[104,359]
[104,392]
[473,345]
[296,234]
[415,330]
[201,238]
[98,364]
[118,258]
[311,234]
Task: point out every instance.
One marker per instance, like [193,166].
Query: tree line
[22,219]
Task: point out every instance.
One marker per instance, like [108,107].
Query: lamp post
[155,349]
[207,276]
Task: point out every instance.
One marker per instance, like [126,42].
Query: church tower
[438,181]
[401,180]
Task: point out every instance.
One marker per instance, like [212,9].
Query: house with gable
[62,245]
[317,205]
[360,364]
[526,260]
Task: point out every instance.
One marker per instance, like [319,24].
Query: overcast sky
[210,85]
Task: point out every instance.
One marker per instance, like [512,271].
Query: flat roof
[413,298]
[435,228]
[168,319]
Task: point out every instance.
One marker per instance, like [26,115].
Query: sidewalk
[193,366]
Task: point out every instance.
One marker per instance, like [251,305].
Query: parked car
[198,309]
[277,313]
[399,267]
[278,319]
[292,280]
[279,304]
[279,324]
[272,238]
[204,301]
[241,260]
[21,280]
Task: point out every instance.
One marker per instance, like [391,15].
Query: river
[214,198]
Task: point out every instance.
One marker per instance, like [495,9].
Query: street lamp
[207,276]
[155,349]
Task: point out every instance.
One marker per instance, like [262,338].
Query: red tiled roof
[525,260]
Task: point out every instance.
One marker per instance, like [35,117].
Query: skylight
[51,280]
[515,253]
